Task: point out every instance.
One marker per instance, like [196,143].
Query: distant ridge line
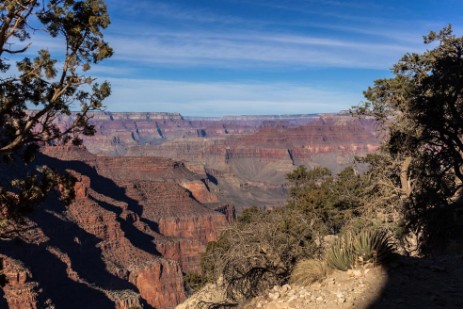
[175,115]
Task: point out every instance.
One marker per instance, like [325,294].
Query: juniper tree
[421,108]
[35,90]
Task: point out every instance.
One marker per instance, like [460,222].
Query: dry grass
[307,272]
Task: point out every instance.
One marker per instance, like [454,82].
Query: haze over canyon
[245,158]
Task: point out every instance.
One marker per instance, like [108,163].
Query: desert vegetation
[265,248]
[404,199]
[365,246]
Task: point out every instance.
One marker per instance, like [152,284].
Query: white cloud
[152,34]
[244,50]
[200,36]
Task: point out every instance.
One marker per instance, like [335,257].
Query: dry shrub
[309,271]
[255,256]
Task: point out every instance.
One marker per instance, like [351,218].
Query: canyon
[245,158]
[131,232]
[152,189]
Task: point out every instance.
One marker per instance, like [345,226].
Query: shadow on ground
[422,283]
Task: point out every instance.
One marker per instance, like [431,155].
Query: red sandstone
[146,228]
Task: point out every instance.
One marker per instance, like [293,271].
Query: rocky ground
[405,283]
[353,289]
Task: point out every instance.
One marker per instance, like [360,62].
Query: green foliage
[341,254]
[413,186]
[372,246]
[424,140]
[335,200]
[24,191]
[211,261]
[306,272]
[301,176]
[308,192]
[262,247]
[366,246]
[251,214]
[50,86]
[378,196]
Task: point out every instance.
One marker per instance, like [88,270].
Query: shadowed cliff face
[246,158]
[124,241]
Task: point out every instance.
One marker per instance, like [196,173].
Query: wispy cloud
[176,12]
[254,49]
[178,34]
[250,42]
[237,40]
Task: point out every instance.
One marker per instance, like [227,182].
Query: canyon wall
[246,158]
[136,225]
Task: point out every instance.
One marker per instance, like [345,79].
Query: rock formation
[135,225]
[246,158]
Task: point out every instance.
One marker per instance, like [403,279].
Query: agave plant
[366,246]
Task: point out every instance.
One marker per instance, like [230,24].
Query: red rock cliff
[124,241]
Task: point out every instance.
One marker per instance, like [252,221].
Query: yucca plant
[366,246]
[341,255]
[372,246]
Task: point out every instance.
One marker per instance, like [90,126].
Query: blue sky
[235,57]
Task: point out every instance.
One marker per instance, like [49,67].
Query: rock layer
[124,241]
[246,157]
